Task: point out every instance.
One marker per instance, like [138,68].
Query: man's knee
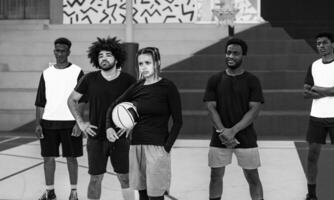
[314,152]
[49,162]
[217,173]
[72,160]
[252,176]
[49,159]
[124,180]
[96,179]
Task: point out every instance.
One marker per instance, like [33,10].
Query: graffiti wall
[153,11]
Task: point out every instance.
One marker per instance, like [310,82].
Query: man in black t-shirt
[100,88]
[233,98]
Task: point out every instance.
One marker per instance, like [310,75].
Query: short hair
[63,40]
[239,42]
[325,34]
[109,44]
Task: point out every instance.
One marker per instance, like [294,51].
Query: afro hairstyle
[109,44]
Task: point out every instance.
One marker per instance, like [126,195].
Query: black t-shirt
[232,95]
[155,103]
[100,93]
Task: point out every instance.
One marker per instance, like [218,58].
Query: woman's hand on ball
[112,135]
[122,131]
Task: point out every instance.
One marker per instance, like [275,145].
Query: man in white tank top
[55,124]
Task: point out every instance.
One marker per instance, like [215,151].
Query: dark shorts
[317,132]
[71,146]
[100,150]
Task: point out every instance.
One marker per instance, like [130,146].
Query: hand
[87,128]
[39,132]
[122,131]
[307,87]
[312,92]
[229,133]
[111,135]
[228,143]
[76,132]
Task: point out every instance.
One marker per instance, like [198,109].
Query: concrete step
[11,119]
[15,63]
[267,47]
[196,124]
[170,62]
[273,124]
[183,79]
[252,62]
[24,80]
[172,47]
[17,99]
[27,24]
[283,100]
[269,79]
[30,48]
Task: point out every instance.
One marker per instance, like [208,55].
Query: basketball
[125,115]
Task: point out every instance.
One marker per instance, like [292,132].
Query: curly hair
[110,44]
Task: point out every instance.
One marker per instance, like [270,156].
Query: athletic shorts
[248,158]
[71,146]
[100,150]
[317,132]
[150,169]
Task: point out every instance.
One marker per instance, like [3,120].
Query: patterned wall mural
[152,11]
[113,11]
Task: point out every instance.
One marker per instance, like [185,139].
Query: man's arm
[38,129]
[73,104]
[311,94]
[246,120]
[214,116]
[323,91]
[217,123]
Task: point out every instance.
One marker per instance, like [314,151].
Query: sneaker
[308,197]
[73,195]
[48,195]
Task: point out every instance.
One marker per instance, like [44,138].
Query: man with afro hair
[100,88]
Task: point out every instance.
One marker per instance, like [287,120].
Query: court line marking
[36,165]
[10,139]
[21,171]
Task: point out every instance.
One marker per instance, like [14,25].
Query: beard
[235,66]
[108,67]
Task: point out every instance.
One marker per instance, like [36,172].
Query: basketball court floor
[282,172]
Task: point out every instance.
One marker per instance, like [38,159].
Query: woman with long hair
[156,100]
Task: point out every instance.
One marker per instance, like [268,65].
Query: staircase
[279,61]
